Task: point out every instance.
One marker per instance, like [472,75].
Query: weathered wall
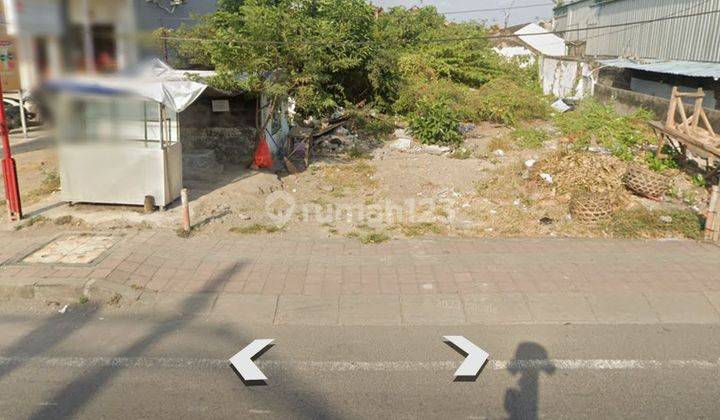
[231,134]
[565,77]
[626,101]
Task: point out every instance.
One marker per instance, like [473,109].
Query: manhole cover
[72,249]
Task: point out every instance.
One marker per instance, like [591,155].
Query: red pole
[12,192]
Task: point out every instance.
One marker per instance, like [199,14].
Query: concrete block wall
[230,134]
[626,101]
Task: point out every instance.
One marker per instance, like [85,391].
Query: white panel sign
[222,105]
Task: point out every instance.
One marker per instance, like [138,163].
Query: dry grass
[644,223]
[504,183]
[590,172]
[49,185]
[254,229]
[352,176]
[369,237]
[422,229]
[503,143]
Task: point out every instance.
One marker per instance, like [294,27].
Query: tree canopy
[326,53]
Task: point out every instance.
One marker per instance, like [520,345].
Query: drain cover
[72,249]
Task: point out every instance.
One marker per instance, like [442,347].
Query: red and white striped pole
[12,191]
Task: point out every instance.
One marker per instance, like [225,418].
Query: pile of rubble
[339,140]
[404,143]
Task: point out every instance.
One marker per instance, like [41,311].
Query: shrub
[670,161]
[454,94]
[435,122]
[595,122]
[369,124]
[504,101]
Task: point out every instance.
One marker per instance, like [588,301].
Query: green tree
[298,48]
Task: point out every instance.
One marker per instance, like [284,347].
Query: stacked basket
[645,182]
[591,207]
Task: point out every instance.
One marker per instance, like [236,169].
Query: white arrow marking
[242,361]
[475,359]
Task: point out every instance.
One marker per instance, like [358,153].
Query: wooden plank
[670,120]
[683,115]
[690,94]
[683,137]
[698,109]
[707,123]
[712,207]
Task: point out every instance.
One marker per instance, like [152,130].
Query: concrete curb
[66,290]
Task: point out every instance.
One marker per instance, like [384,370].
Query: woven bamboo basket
[645,182]
[591,208]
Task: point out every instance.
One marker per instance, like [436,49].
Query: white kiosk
[118,136]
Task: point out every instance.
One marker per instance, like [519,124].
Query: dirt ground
[37,165]
[490,186]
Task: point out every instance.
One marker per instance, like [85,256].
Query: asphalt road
[94,364]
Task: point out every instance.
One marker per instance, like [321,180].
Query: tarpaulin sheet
[153,80]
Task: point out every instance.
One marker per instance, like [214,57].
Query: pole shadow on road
[300,398]
[531,359]
[50,333]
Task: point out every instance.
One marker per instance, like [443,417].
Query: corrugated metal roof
[690,38]
[684,68]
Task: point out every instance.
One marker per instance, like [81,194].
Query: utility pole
[506,12]
[165,45]
[12,191]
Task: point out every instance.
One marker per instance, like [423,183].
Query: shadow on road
[531,359]
[72,397]
[52,332]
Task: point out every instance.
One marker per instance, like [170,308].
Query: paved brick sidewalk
[439,280]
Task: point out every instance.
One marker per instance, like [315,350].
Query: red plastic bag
[263,157]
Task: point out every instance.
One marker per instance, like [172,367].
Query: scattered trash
[547,178]
[466,128]
[63,309]
[530,163]
[561,106]
[499,153]
[400,133]
[599,149]
[517,202]
[551,144]
[243,216]
[327,188]
[436,150]
[401,144]
[666,219]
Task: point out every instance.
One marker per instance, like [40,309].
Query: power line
[497,9]
[454,12]
[616,25]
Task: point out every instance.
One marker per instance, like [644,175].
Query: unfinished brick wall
[231,134]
